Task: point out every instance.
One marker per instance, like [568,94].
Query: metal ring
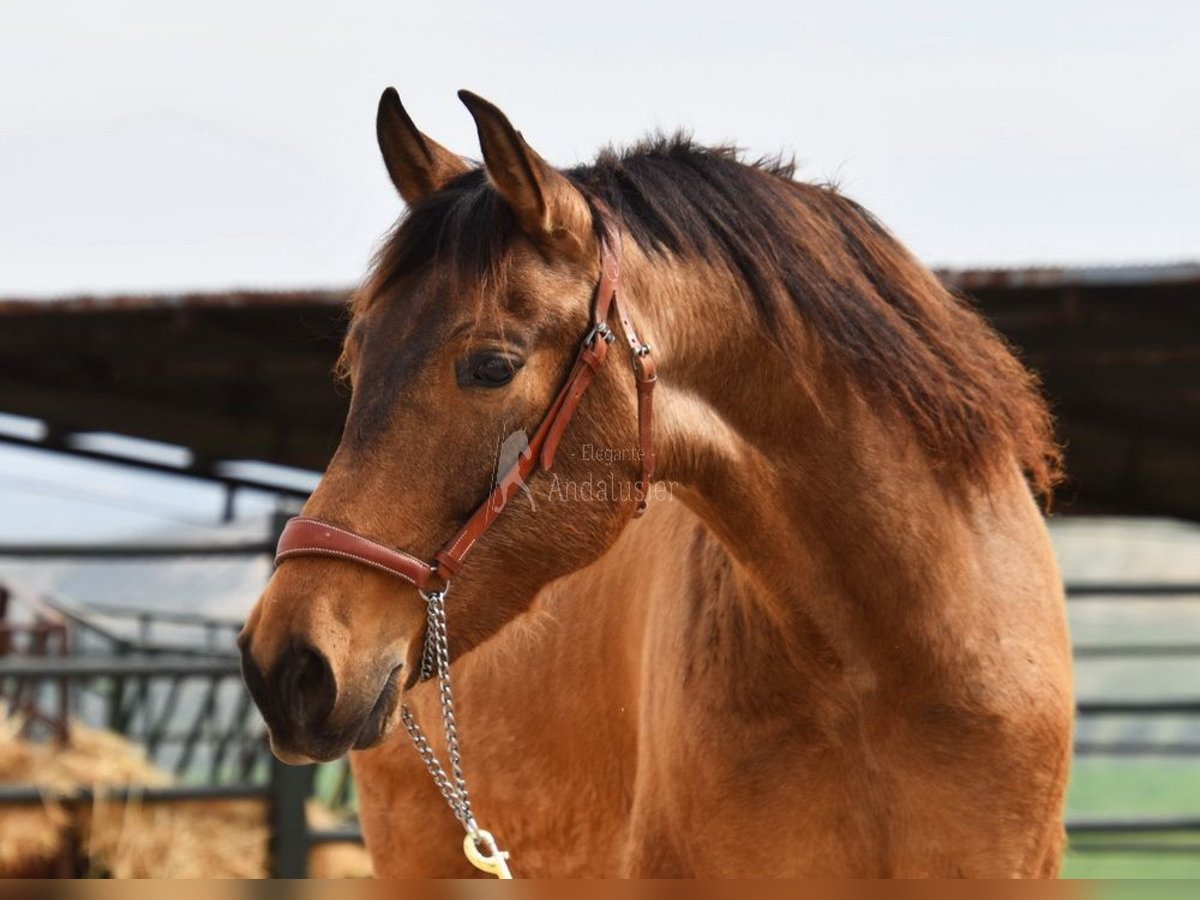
[440,592]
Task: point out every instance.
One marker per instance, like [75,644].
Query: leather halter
[304,536]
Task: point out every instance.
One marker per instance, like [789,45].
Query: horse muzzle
[310,716]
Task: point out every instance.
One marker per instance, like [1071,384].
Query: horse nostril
[306,686]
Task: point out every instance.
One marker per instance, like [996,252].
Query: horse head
[461,336]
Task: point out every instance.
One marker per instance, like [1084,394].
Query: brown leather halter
[303,536]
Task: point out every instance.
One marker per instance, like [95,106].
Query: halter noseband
[303,536]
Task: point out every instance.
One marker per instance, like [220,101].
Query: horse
[835,642]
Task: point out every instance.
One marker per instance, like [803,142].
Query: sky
[149,146]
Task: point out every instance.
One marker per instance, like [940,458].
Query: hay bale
[217,839]
[31,838]
[338,860]
[226,839]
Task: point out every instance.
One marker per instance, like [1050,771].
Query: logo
[513,448]
[599,486]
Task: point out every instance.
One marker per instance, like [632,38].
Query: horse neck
[836,532]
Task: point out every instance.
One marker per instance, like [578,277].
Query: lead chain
[435,660]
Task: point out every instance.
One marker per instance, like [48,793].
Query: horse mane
[816,265]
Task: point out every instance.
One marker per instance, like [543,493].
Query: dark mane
[813,262]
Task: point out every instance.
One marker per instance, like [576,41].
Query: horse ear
[549,209]
[418,165]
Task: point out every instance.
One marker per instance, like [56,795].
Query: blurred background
[187,195]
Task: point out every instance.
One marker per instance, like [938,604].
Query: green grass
[1142,889]
[1131,865]
[1122,788]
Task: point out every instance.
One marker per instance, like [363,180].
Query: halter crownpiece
[304,536]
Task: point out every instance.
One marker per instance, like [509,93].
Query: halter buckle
[601,330]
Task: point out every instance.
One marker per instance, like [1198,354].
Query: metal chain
[435,660]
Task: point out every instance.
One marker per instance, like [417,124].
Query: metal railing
[287,787]
[165,694]
[259,776]
[44,634]
[1159,834]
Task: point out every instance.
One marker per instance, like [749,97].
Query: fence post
[63,725]
[290,788]
[279,518]
[4,633]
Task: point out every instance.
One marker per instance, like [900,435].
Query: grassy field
[1135,788]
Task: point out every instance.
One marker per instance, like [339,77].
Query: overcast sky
[151,146]
[148,146]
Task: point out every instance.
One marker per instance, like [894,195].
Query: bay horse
[835,643]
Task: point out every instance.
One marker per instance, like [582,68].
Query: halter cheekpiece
[304,536]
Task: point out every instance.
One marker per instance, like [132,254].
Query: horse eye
[488,370]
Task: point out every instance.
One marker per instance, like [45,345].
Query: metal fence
[169,681]
[144,679]
[216,746]
[1156,834]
